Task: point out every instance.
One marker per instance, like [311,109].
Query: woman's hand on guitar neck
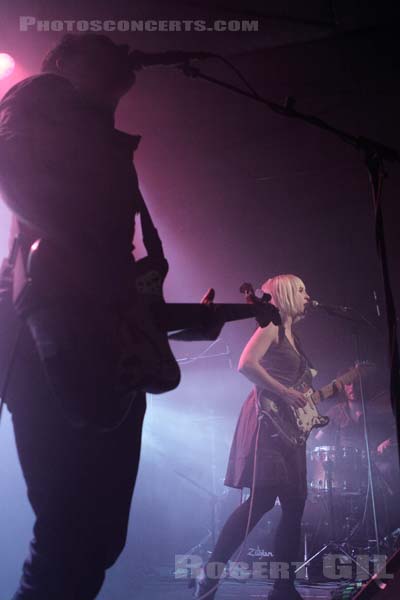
[294,398]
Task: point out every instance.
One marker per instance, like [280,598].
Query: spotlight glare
[7,64]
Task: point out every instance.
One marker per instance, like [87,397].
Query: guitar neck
[324,393]
[332,388]
[174,316]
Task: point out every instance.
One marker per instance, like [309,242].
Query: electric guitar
[294,425]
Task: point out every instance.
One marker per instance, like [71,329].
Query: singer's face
[100,72]
[302,298]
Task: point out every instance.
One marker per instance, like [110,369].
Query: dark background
[240,193]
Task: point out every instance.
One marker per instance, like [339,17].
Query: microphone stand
[357,318]
[374,154]
[371,484]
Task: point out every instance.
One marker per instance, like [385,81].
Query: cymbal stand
[332,546]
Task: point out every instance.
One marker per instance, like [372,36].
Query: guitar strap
[153,268]
[151,239]
[308,364]
[18,259]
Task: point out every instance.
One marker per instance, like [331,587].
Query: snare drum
[345,465]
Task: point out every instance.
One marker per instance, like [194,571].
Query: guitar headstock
[266,312]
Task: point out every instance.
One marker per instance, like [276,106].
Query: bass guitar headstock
[265,311]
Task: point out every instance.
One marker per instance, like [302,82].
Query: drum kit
[338,509]
[337,498]
[346,465]
[339,501]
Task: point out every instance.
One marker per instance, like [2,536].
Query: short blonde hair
[283,289]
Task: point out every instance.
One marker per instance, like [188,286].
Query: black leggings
[287,538]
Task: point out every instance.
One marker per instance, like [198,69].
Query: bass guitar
[141,319]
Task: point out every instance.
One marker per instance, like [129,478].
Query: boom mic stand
[374,154]
[356,319]
[332,545]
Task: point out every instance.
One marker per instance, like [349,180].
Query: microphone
[139,60]
[329,307]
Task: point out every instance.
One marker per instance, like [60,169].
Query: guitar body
[144,358]
[147,362]
[294,425]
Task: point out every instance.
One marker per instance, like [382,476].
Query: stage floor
[164,589]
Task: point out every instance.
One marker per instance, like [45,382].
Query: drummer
[345,427]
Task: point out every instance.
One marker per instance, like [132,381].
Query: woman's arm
[250,367]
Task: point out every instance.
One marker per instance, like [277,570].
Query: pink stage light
[7,65]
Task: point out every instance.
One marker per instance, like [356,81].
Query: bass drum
[346,466]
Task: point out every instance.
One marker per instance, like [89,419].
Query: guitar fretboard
[173,316]
[331,389]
